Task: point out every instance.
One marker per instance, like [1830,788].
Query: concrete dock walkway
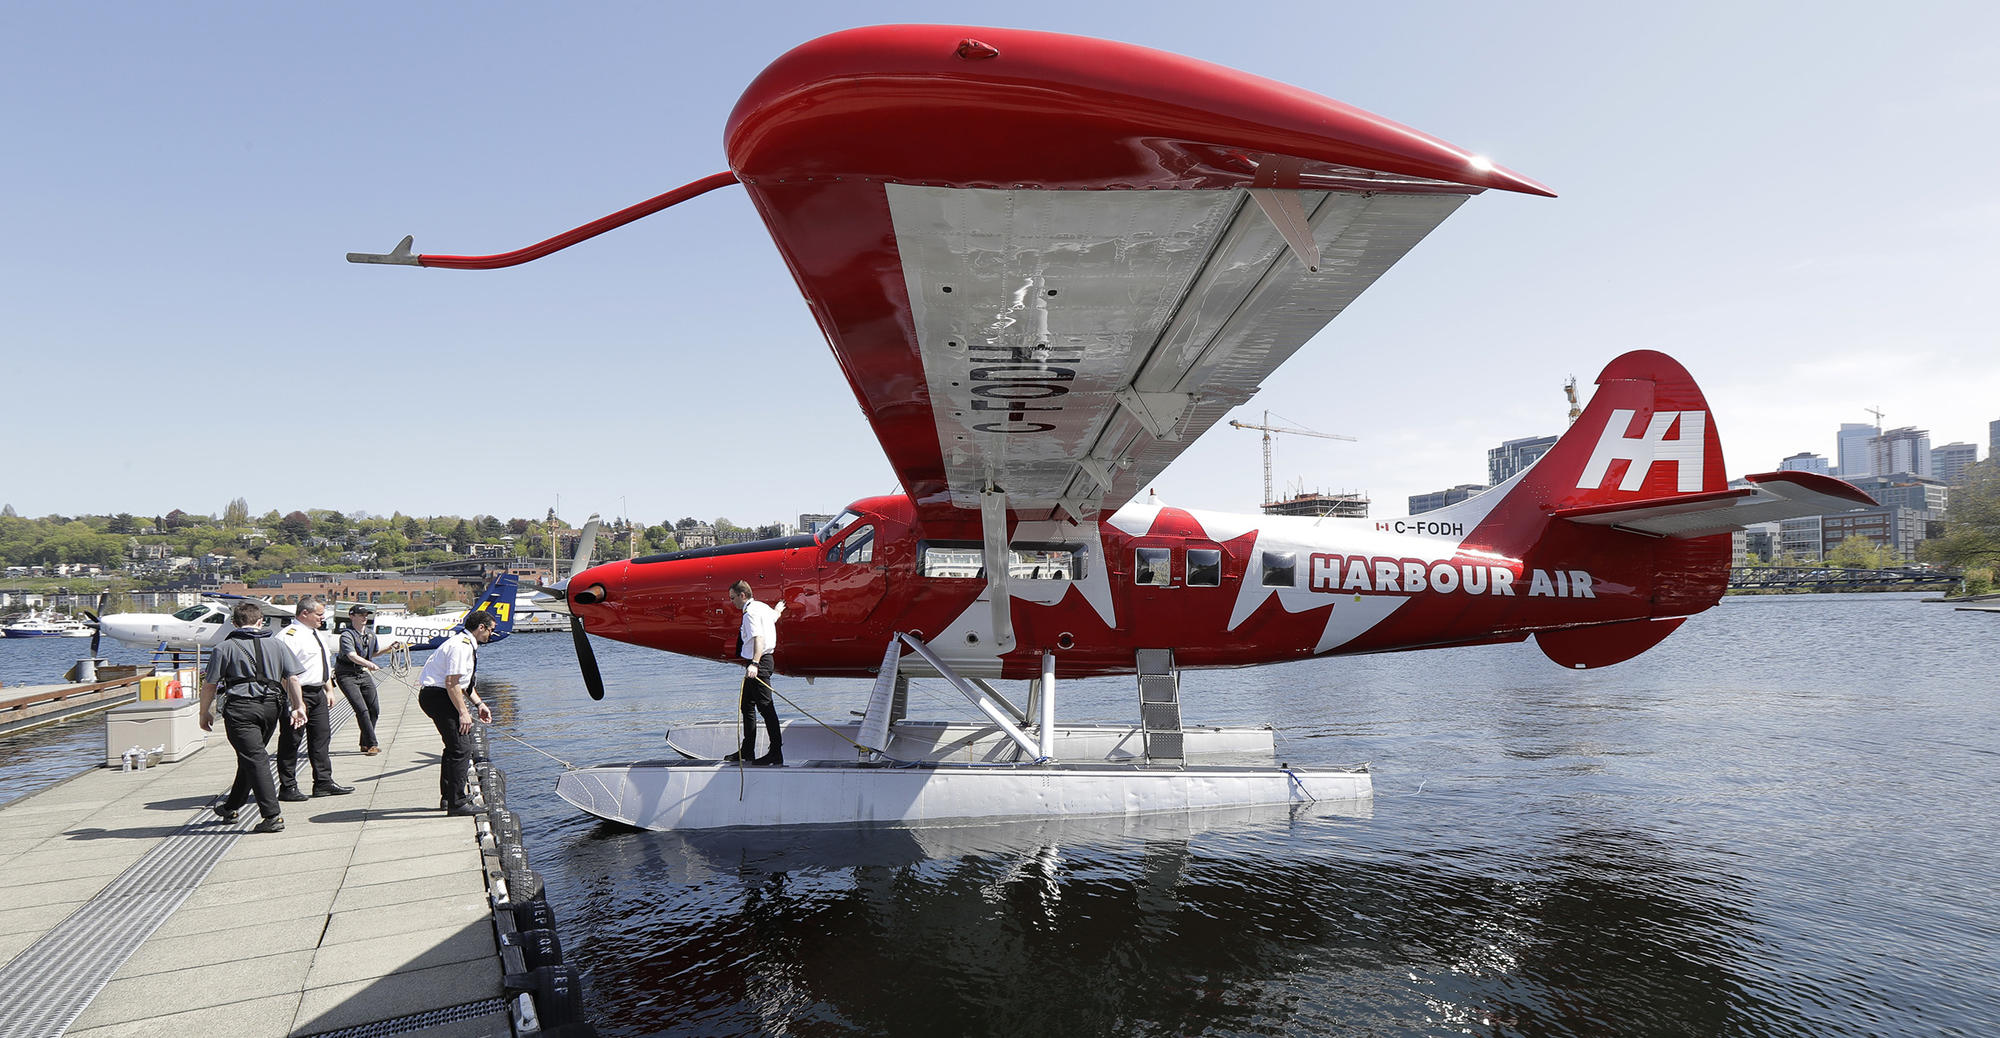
[126,907]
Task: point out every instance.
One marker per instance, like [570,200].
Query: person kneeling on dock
[447,691]
[251,672]
[759,638]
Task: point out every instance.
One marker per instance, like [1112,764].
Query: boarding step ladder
[1160,706]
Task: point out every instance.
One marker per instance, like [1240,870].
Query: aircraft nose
[597,595]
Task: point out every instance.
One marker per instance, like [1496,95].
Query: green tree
[123,522]
[490,528]
[411,528]
[9,513]
[1861,553]
[174,520]
[295,526]
[237,513]
[1972,526]
[461,537]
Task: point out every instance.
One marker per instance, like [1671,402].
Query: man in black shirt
[354,671]
[251,673]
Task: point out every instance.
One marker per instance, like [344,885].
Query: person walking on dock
[759,639]
[304,640]
[354,671]
[449,699]
[256,679]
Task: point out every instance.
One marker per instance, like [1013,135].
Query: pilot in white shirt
[310,647]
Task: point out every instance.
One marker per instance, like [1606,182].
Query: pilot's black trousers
[318,736]
[359,688]
[248,722]
[457,757]
[757,700]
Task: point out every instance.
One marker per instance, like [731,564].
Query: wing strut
[993,523]
[402,256]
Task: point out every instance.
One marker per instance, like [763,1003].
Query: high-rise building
[1949,462]
[1992,440]
[1806,461]
[1513,456]
[1431,502]
[1900,450]
[1852,452]
[1801,538]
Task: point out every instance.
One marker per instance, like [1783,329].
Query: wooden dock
[128,908]
[29,706]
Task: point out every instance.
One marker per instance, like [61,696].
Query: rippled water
[1780,822]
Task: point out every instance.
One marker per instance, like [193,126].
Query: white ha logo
[1684,451]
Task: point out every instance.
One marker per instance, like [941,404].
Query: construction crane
[1569,390]
[1268,430]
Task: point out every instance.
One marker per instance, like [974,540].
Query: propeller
[586,657]
[96,631]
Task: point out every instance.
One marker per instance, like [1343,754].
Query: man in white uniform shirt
[759,638]
[311,649]
[449,699]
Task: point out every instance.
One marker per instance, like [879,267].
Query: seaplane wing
[271,609]
[1053,266]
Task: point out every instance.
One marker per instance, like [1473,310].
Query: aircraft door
[853,575]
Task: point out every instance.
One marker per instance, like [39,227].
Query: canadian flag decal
[1684,451]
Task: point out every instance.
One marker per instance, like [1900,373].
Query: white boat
[33,626]
[74,629]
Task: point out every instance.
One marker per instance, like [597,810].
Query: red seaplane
[1046,265]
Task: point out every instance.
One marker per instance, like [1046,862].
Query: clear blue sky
[1793,199]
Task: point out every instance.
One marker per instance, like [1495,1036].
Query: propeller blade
[586,658]
[586,543]
[96,631]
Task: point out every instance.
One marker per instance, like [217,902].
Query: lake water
[1782,821]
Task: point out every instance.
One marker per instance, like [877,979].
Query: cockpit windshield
[841,522]
[193,612]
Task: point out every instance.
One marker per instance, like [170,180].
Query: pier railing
[1830,578]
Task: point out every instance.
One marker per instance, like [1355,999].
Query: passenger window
[1153,566]
[1280,568]
[859,546]
[1204,567]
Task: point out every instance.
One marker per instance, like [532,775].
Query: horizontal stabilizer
[1771,496]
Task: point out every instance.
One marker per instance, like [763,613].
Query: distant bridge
[1828,578]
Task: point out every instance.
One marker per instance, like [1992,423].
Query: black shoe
[227,814]
[269,825]
[733,758]
[773,759]
[332,790]
[462,808]
[293,796]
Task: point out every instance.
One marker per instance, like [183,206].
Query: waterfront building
[1900,529]
[1431,502]
[1514,455]
[1344,505]
[1760,541]
[1801,539]
[1900,450]
[1908,490]
[1806,461]
[1949,462]
[1851,454]
[344,588]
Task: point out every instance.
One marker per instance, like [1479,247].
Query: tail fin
[1647,434]
[498,600]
